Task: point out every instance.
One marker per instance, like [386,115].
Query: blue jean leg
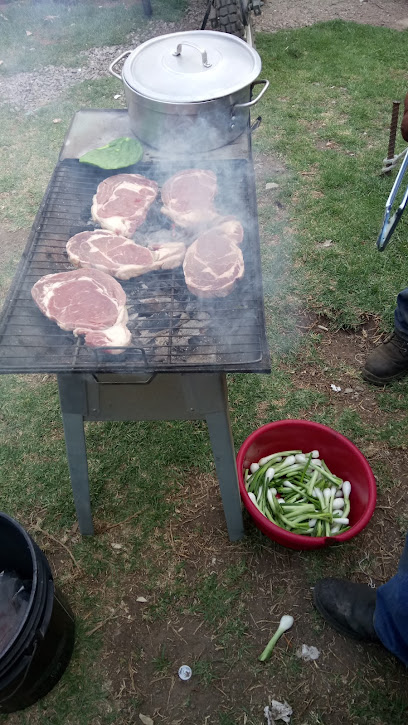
[401,313]
[391,611]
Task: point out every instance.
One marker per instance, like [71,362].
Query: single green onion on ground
[298,492]
[285,624]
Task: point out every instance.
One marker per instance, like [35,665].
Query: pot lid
[191,66]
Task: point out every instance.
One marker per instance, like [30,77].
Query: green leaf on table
[117,154]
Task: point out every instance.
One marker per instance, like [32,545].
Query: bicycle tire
[230,17]
[147,8]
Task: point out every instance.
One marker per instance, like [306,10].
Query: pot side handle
[112,65]
[265,83]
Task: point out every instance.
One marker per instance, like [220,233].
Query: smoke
[234,333]
[209,135]
[186,129]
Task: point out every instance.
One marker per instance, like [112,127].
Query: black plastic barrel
[36,656]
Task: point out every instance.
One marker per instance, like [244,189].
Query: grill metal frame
[64,211]
[111,391]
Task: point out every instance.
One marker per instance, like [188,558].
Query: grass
[27,167]
[59,33]
[371,707]
[161,533]
[204,670]
[161,663]
[328,114]
[140,480]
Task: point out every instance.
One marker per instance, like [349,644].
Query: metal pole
[73,402]
[78,469]
[393,134]
[222,444]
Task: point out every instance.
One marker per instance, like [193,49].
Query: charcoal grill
[197,341]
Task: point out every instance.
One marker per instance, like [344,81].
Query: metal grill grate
[171,329]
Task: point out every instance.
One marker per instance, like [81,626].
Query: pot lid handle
[203,52]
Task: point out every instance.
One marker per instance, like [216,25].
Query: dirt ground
[196,541]
[297,13]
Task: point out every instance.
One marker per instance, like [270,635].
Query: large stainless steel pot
[190,91]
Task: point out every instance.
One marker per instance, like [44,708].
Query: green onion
[285,624]
[306,497]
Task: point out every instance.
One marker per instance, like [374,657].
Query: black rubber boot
[388,361]
[347,607]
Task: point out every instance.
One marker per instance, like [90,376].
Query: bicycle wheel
[230,17]
[147,8]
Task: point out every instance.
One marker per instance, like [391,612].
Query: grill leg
[78,469]
[224,455]
[73,400]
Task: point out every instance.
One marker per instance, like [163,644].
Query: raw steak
[231,227]
[119,256]
[121,202]
[213,264]
[88,302]
[188,197]
[168,255]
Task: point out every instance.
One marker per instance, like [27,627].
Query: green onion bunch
[298,492]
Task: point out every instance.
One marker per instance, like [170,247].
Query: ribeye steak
[188,197]
[121,202]
[87,302]
[121,257]
[231,227]
[213,264]
[167,255]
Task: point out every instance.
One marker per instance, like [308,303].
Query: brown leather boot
[388,361]
[347,607]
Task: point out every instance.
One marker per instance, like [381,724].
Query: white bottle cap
[185,672]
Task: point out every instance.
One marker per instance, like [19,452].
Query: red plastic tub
[339,453]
